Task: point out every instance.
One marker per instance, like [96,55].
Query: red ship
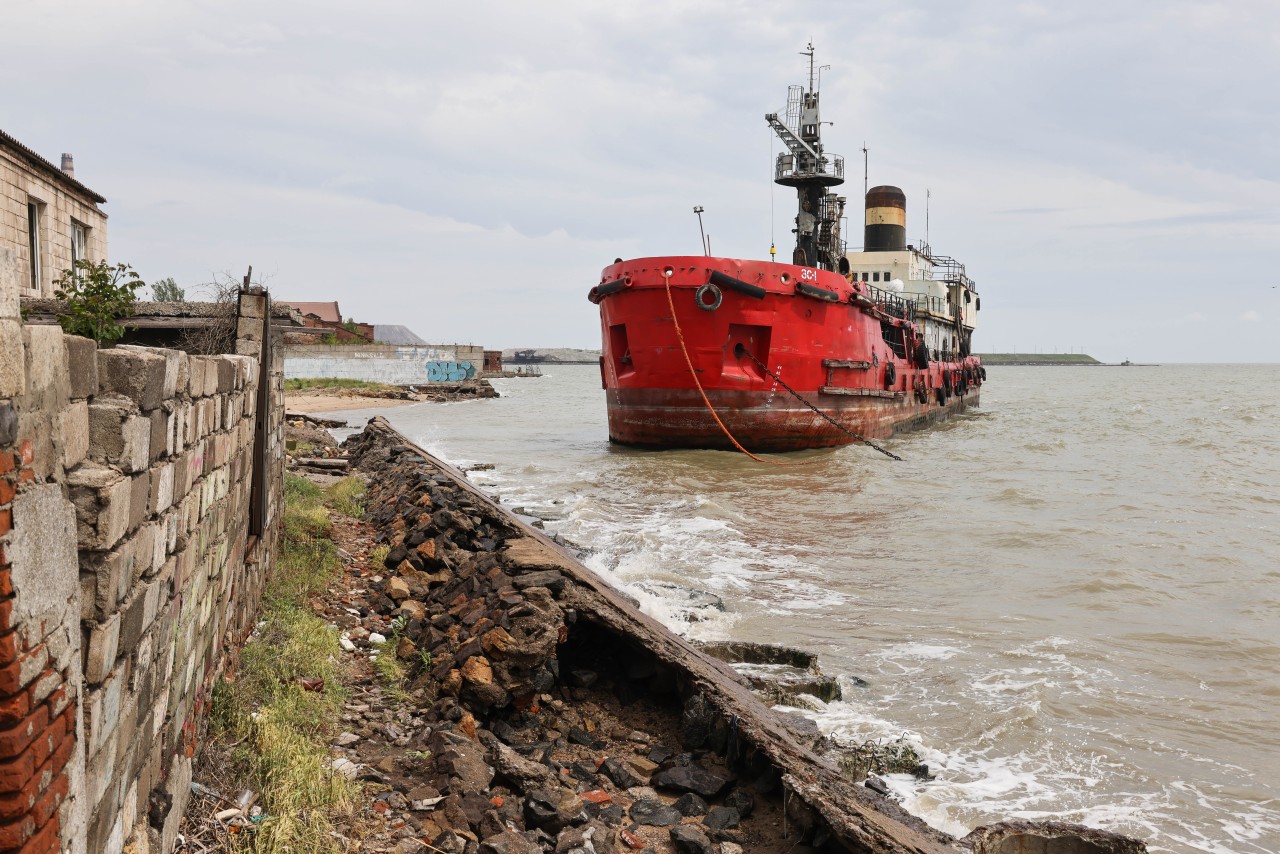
[836,347]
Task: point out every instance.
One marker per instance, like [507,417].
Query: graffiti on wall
[431,354]
[449,372]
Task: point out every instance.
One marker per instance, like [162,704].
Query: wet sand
[312,402]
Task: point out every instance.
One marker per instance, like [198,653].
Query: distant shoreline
[1072,359]
[1071,364]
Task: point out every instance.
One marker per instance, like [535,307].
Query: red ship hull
[839,350]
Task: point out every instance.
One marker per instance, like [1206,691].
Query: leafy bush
[97,295]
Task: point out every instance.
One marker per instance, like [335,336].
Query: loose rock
[654,812]
[690,840]
[690,778]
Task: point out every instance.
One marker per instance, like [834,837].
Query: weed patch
[387,665]
[347,497]
[299,384]
[281,726]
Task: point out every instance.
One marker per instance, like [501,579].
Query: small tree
[97,295]
[167,290]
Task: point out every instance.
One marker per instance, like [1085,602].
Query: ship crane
[799,148]
[812,172]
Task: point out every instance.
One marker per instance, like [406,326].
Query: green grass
[281,731]
[388,667]
[347,497]
[332,382]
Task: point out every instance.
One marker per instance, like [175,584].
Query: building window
[33,242]
[79,240]
[886,275]
[875,277]
[865,276]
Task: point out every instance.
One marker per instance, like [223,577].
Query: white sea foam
[919,650]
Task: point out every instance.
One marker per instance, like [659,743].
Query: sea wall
[385,363]
[139,498]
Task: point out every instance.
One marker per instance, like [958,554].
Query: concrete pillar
[13,377]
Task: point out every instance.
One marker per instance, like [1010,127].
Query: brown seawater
[1068,600]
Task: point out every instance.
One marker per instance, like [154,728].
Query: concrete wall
[21,183]
[385,363]
[130,568]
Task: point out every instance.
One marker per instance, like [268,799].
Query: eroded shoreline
[533,658]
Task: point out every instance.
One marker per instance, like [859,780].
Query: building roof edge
[39,162]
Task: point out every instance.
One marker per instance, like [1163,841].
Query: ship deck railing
[907,305]
[948,269]
[791,166]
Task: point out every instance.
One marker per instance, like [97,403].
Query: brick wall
[129,567]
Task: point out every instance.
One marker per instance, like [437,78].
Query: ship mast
[812,172]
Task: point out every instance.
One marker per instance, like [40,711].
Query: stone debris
[501,740]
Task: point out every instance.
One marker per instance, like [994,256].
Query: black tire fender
[701,294]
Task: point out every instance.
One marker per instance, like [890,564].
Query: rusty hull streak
[858,818]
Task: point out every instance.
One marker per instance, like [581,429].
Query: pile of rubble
[534,731]
[465,390]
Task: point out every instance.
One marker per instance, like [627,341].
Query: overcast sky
[1108,171]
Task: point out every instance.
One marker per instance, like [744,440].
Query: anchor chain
[741,351]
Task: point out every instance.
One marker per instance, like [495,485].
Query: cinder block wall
[383,363]
[131,565]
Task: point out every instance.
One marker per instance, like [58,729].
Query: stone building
[47,217]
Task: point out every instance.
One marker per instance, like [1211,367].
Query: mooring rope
[857,437]
[739,351]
